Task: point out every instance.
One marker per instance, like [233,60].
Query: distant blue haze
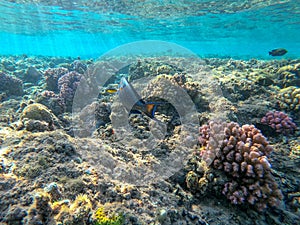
[53,31]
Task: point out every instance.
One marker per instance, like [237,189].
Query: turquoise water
[238,29]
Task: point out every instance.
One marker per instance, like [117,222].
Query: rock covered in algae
[37,117]
[177,89]
[37,111]
[32,75]
[76,213]
[40,211]
[10,84]
[52,101]
[145,68]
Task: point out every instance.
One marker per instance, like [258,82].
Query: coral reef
[32,75]
[145,68]
[79,66]
[289,75]
[51,77]
[40,212]
[10,84]
[289,99]
[242,153]
[166,87]
[52,177]
[52,101]
[280,122]
[53,191]
[80,209]
[37,111]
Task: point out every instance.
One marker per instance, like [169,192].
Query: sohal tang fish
[278,52]
[133,102]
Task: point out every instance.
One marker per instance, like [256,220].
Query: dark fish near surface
[133,102]
[278,52]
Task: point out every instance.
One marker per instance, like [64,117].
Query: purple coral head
[67,85]
[280,122]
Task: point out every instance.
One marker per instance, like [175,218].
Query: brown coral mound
[241,152]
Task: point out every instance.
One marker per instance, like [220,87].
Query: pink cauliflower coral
[242,153]
[280,122]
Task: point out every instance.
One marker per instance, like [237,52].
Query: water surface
[239,29]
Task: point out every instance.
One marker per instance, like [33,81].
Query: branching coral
[67,86]
[10,84]
[289,98]
[280,122]
[52,75]
[242,154]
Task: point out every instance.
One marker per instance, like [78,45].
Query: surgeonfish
[278,52]
[133,102]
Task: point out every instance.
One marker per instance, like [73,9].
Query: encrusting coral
[242,153]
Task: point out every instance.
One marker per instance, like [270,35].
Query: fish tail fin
[270,53]
[150,109]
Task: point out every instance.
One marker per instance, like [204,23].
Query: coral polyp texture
[289,98]
[242,153]
[67,86]
[10,84]
[52,75]
[280,122]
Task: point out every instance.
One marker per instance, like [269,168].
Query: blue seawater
[220,28]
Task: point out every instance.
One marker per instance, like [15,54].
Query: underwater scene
[149,112]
